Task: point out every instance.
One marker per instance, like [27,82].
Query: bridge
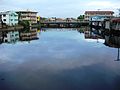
[63,24]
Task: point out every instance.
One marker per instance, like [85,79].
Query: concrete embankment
[11,28]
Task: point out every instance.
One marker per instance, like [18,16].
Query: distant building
[10,18]
[27,15]
[98,18]
[52,19]
[60,19]
[89,14]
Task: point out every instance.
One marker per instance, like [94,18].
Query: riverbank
[12,28]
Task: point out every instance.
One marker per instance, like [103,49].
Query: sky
[59,8]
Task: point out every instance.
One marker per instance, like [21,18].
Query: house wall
[28,15]
[10,18]
[89,14]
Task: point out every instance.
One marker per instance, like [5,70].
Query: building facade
[89,14]
[98,18]
[27,15]
[10,18]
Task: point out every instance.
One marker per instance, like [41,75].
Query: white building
[10,18]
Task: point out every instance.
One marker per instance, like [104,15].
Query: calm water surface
[61,59]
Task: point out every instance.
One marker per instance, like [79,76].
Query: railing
[64,21]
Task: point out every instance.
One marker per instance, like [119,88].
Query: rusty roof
[99,12]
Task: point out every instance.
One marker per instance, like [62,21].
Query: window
[16,19]
[16,34]
[15,15]
[11,19]
[12,35]
[4,19]
[4,15]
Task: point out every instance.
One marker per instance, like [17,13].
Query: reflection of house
[112,41]
[10,18]
[11,37]
[89,14]
[28,15]
[28,35]
[115,23]
[1,38]
[91,35]
[107,24]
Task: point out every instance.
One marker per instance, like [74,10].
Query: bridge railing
[72,21]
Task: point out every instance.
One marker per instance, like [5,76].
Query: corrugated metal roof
[99,12]
[26,11]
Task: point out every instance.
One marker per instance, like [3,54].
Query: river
[57,59]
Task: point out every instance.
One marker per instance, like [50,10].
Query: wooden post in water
[118,57]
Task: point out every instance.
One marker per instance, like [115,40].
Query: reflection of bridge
[68,24]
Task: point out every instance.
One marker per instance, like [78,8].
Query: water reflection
[28,35]
[61,59]
[111,38]
[93,34]
[13,37]
[108,38]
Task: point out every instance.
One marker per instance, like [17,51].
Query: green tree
[25,23]
[81,17]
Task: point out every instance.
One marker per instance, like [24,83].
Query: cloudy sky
[59,8]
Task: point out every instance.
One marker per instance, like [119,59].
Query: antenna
[27,9]
[98,9]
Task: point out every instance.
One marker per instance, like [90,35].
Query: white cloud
[100,3]
[59,8]
[7,8]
